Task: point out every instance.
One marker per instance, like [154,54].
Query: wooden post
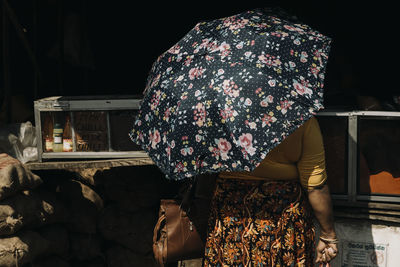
[6,66]
[60,33]
[10,14]
[34,29]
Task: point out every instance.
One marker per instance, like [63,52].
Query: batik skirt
[259,223]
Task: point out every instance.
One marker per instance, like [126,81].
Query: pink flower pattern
[233,88]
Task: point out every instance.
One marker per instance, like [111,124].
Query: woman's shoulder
[310,123]
[311,127]
[305,128]
[312,120]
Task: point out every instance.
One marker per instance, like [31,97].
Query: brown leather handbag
[180,232]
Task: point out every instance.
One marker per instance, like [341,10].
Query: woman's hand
[321,203]
[326,252]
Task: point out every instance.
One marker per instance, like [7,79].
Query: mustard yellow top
[300,156]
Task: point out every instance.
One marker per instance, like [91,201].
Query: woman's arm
[321,203]
[320,200]
[312,172]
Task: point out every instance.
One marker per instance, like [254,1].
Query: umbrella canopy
[230,91]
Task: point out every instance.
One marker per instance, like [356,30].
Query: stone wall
[105,217]
[92,217]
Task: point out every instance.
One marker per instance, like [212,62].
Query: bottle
[67,136]
[48,132]
[57,138]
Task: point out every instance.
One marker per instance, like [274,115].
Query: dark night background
[109,46]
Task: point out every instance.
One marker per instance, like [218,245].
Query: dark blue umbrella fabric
[230,91]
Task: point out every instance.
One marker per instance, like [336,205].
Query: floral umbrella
[230,91]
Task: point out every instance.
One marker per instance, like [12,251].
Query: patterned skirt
[259,223]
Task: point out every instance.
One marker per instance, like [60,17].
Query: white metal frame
[352,135]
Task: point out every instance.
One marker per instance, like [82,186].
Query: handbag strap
[200,186]
[189,195]
[158,242]
[157,228]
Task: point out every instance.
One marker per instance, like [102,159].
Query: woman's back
[300,156]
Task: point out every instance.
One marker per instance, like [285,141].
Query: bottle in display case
[48,132]
[67,135]
[57,138]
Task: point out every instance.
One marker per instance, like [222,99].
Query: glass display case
[86,127]
[362,158]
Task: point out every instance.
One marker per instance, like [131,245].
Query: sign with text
[363,254]
[91,130]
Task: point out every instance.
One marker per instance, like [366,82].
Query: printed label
[67,145]
[57,139]
[48,144]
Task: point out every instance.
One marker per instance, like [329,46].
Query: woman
[265,217]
